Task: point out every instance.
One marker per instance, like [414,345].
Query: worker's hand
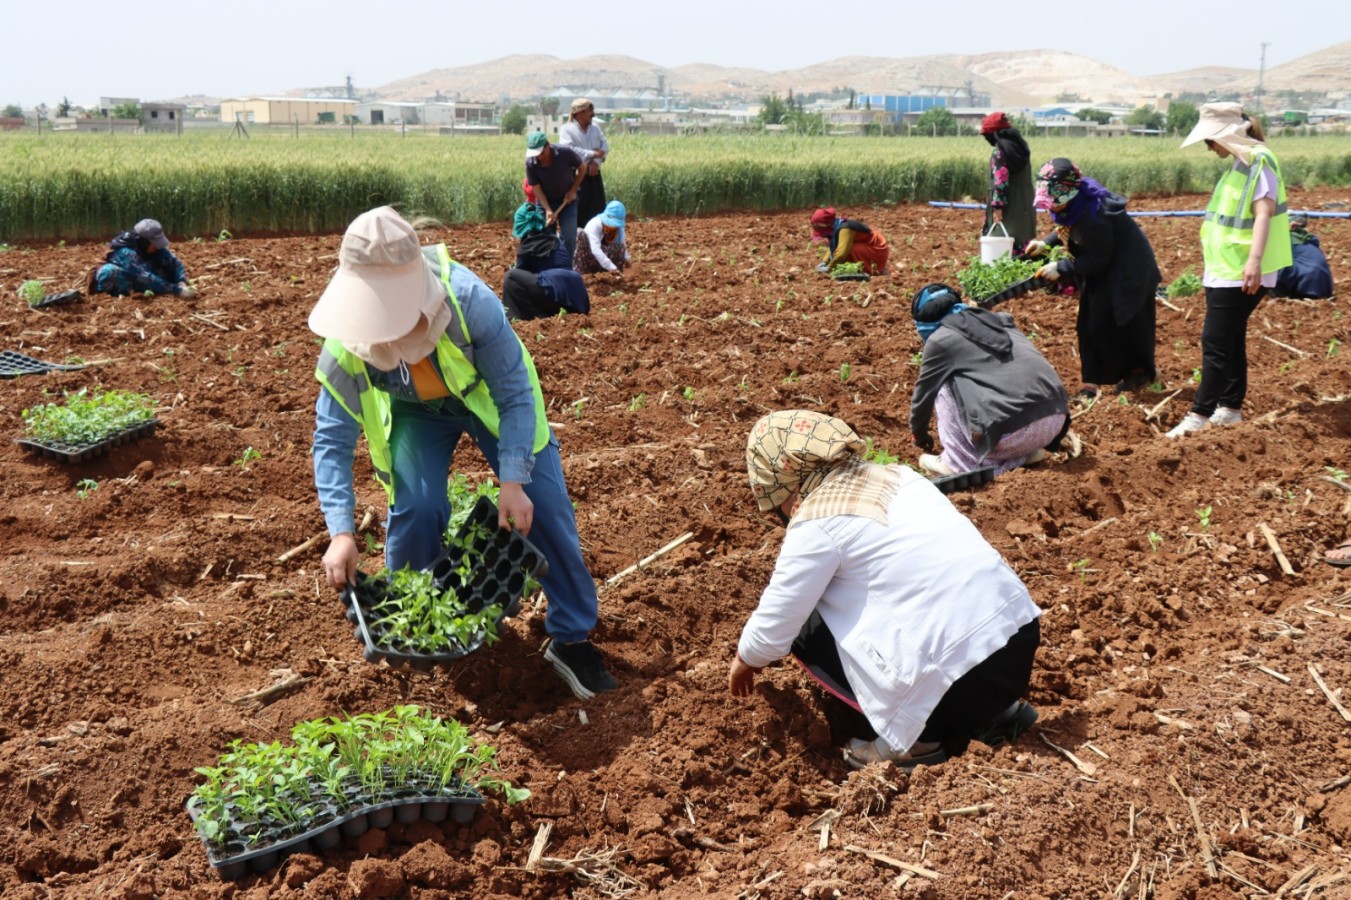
[741,678]
[340,560]
[823,267]
[924,441]
[1049,272]
[1252,276]
[1035,248]
[550,219]
[618,274]
[598,154]
[514,509]
[187,291]
[569,197]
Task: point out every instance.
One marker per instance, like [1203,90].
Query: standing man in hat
[1011,192]
[418,352]
[139,261]
[555,174]
[584,135]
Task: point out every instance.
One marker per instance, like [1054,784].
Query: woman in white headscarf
[1245,240]
[887,596]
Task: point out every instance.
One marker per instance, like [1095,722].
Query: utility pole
[1261,75]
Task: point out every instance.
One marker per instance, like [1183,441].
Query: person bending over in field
[849,241]
[602,245]
[1113,264]
[999,402]
[887,596]
[417,353]
[554,176]
[543,282]
[139,260]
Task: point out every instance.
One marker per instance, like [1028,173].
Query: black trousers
[1224,349]
[970,703]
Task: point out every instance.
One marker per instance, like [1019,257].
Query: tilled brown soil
[1185,748]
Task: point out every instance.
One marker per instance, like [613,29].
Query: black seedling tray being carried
[964,480]
[75,453]
[1013,291]
[505,561]
[59,299]
[13,364]
[459,805]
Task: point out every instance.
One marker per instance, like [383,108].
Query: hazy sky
[158,50]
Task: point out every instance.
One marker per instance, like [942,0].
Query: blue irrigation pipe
[1163,213]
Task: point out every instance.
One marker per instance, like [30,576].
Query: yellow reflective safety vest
[1227,232]
[344,375]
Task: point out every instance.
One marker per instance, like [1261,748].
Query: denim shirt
[498,359]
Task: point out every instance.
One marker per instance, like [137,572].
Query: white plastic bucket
[993,246]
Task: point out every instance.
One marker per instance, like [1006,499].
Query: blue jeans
[423,442]
[567,228]
[1224,349]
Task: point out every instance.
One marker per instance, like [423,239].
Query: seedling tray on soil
[59,299]
[1012,292]
[241,857]
[963,481]
[851,276]
[75,453]
[13,364]
[503,562]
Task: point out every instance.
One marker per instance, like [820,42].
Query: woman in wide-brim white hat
[1245,240]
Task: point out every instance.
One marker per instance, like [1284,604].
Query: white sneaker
[1191,422]
[1225,416]
[933,464]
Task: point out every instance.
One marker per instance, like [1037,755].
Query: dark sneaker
[581,666]
[1006,726]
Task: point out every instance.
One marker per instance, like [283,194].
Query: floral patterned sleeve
[999,178]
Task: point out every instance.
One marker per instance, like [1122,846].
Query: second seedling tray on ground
[505,563]
[76,453]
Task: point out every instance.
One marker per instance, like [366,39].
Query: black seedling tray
[59,299]
[13,364]
[963,481]
[459,806]
[851,276]
[506,561]
[1021,289]
[75,453]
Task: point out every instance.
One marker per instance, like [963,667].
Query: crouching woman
[999,402]
[887,596]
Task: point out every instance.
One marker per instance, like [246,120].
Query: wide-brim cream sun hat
[1226,125]
[381,285]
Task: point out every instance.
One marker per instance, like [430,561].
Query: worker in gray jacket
[998,401]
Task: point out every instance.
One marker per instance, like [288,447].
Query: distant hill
[1018,78]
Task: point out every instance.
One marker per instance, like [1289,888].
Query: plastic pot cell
[76,453]
[483,566]
[964,481]
[13,364]
[235,859]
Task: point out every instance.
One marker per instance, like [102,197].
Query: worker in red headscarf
[1011,192]
[849,241]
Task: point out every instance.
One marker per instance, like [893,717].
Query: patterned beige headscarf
[800,449]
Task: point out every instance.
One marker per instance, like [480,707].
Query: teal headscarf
[529,219]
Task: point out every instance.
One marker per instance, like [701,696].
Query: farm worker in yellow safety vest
[418,352]
[1245,240]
